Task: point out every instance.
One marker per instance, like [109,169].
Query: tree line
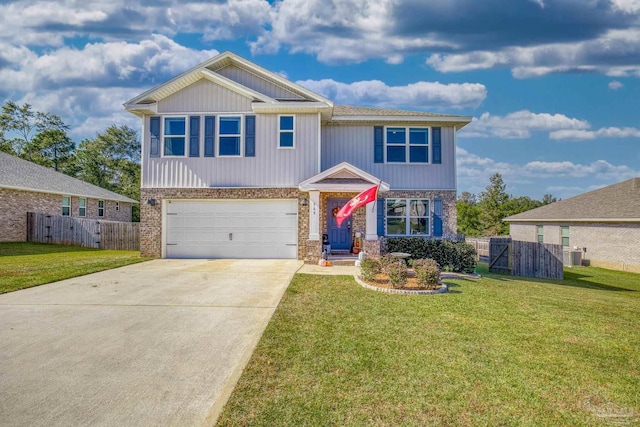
[483,215]
[111,160]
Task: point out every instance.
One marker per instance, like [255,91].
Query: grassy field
[498,351]
[23,265]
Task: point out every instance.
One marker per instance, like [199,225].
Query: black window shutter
[437,145]
[154,132]
[380,209]
[250,136]
[209,136]
[378,144]
[437,217]
[194,136]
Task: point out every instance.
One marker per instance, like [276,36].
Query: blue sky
[553,85]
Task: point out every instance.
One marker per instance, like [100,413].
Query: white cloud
[615,85]
[100,64]
[520,124]
[474,172]
[614,53]
[416,95]
[608,132]
[627,6]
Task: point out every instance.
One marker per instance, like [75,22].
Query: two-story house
[239,162]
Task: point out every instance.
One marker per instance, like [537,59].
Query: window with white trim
[540,233]
[407,144]
[100,207]
[286,131]
[564,236]
[229,135]
[66,205]
[82,207]
[174,136]
[407,217]
[117,206]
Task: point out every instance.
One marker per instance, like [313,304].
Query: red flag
[367,196]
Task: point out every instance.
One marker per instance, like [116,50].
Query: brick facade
[151,216]
[14,205]
[308,250]
[613,246]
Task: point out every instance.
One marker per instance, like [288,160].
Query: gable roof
[354,114]
[19,174]
[146,102]
[342,177]
[616,203]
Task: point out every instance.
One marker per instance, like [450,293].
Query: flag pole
[373,205]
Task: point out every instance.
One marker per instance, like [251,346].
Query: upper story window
[66,206]
[230,136]
[406,217]
[540,233]
[407,145]
[564,236]
[286,129]
[82,207]
[100,207]
[174,136]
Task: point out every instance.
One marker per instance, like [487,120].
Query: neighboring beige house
[604,224]
[28,187]
[239,162]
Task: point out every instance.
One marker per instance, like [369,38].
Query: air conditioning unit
[572,258]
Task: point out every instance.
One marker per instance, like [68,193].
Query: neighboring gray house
[28,187]
[238,161]
[604,224]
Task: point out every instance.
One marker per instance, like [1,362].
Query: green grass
[23,265]
[500,351]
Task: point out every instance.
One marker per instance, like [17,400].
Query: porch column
[372,221]
[314,215]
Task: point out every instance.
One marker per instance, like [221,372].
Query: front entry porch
[328,192]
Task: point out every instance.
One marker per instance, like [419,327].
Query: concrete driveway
[161,343]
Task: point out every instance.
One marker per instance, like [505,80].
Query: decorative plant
[386,261]
[397,272]
[427,272]
[369,268]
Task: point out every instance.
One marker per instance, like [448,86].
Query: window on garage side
[230,136]
[564,236]
[100,207]
[174,136]
[82,207]
[286,128]
[66,206]
[540,233]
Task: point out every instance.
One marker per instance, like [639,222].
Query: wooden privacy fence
[520,258]
[481,245]
[91,233]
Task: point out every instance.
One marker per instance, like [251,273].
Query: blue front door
[339,237]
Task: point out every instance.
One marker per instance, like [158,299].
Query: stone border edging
[442,290]
[451,275]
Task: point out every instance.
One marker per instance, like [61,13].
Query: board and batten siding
[271,166]
[256,83]
[354,144]
[204,96]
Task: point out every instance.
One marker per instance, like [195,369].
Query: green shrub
[397,272]
[386,261]
[369,268]
[451,256]
[427,273]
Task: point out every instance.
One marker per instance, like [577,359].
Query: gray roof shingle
[20,174]
[619,201]
[350,110]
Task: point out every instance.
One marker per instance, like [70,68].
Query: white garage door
[232,229]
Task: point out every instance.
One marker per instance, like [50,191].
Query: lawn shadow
[27,248]
[571,279]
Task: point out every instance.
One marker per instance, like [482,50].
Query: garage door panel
[258,229]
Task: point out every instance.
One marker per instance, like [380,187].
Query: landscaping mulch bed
[382,281]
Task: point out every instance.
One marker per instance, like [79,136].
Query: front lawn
[23,265]
[495,351]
